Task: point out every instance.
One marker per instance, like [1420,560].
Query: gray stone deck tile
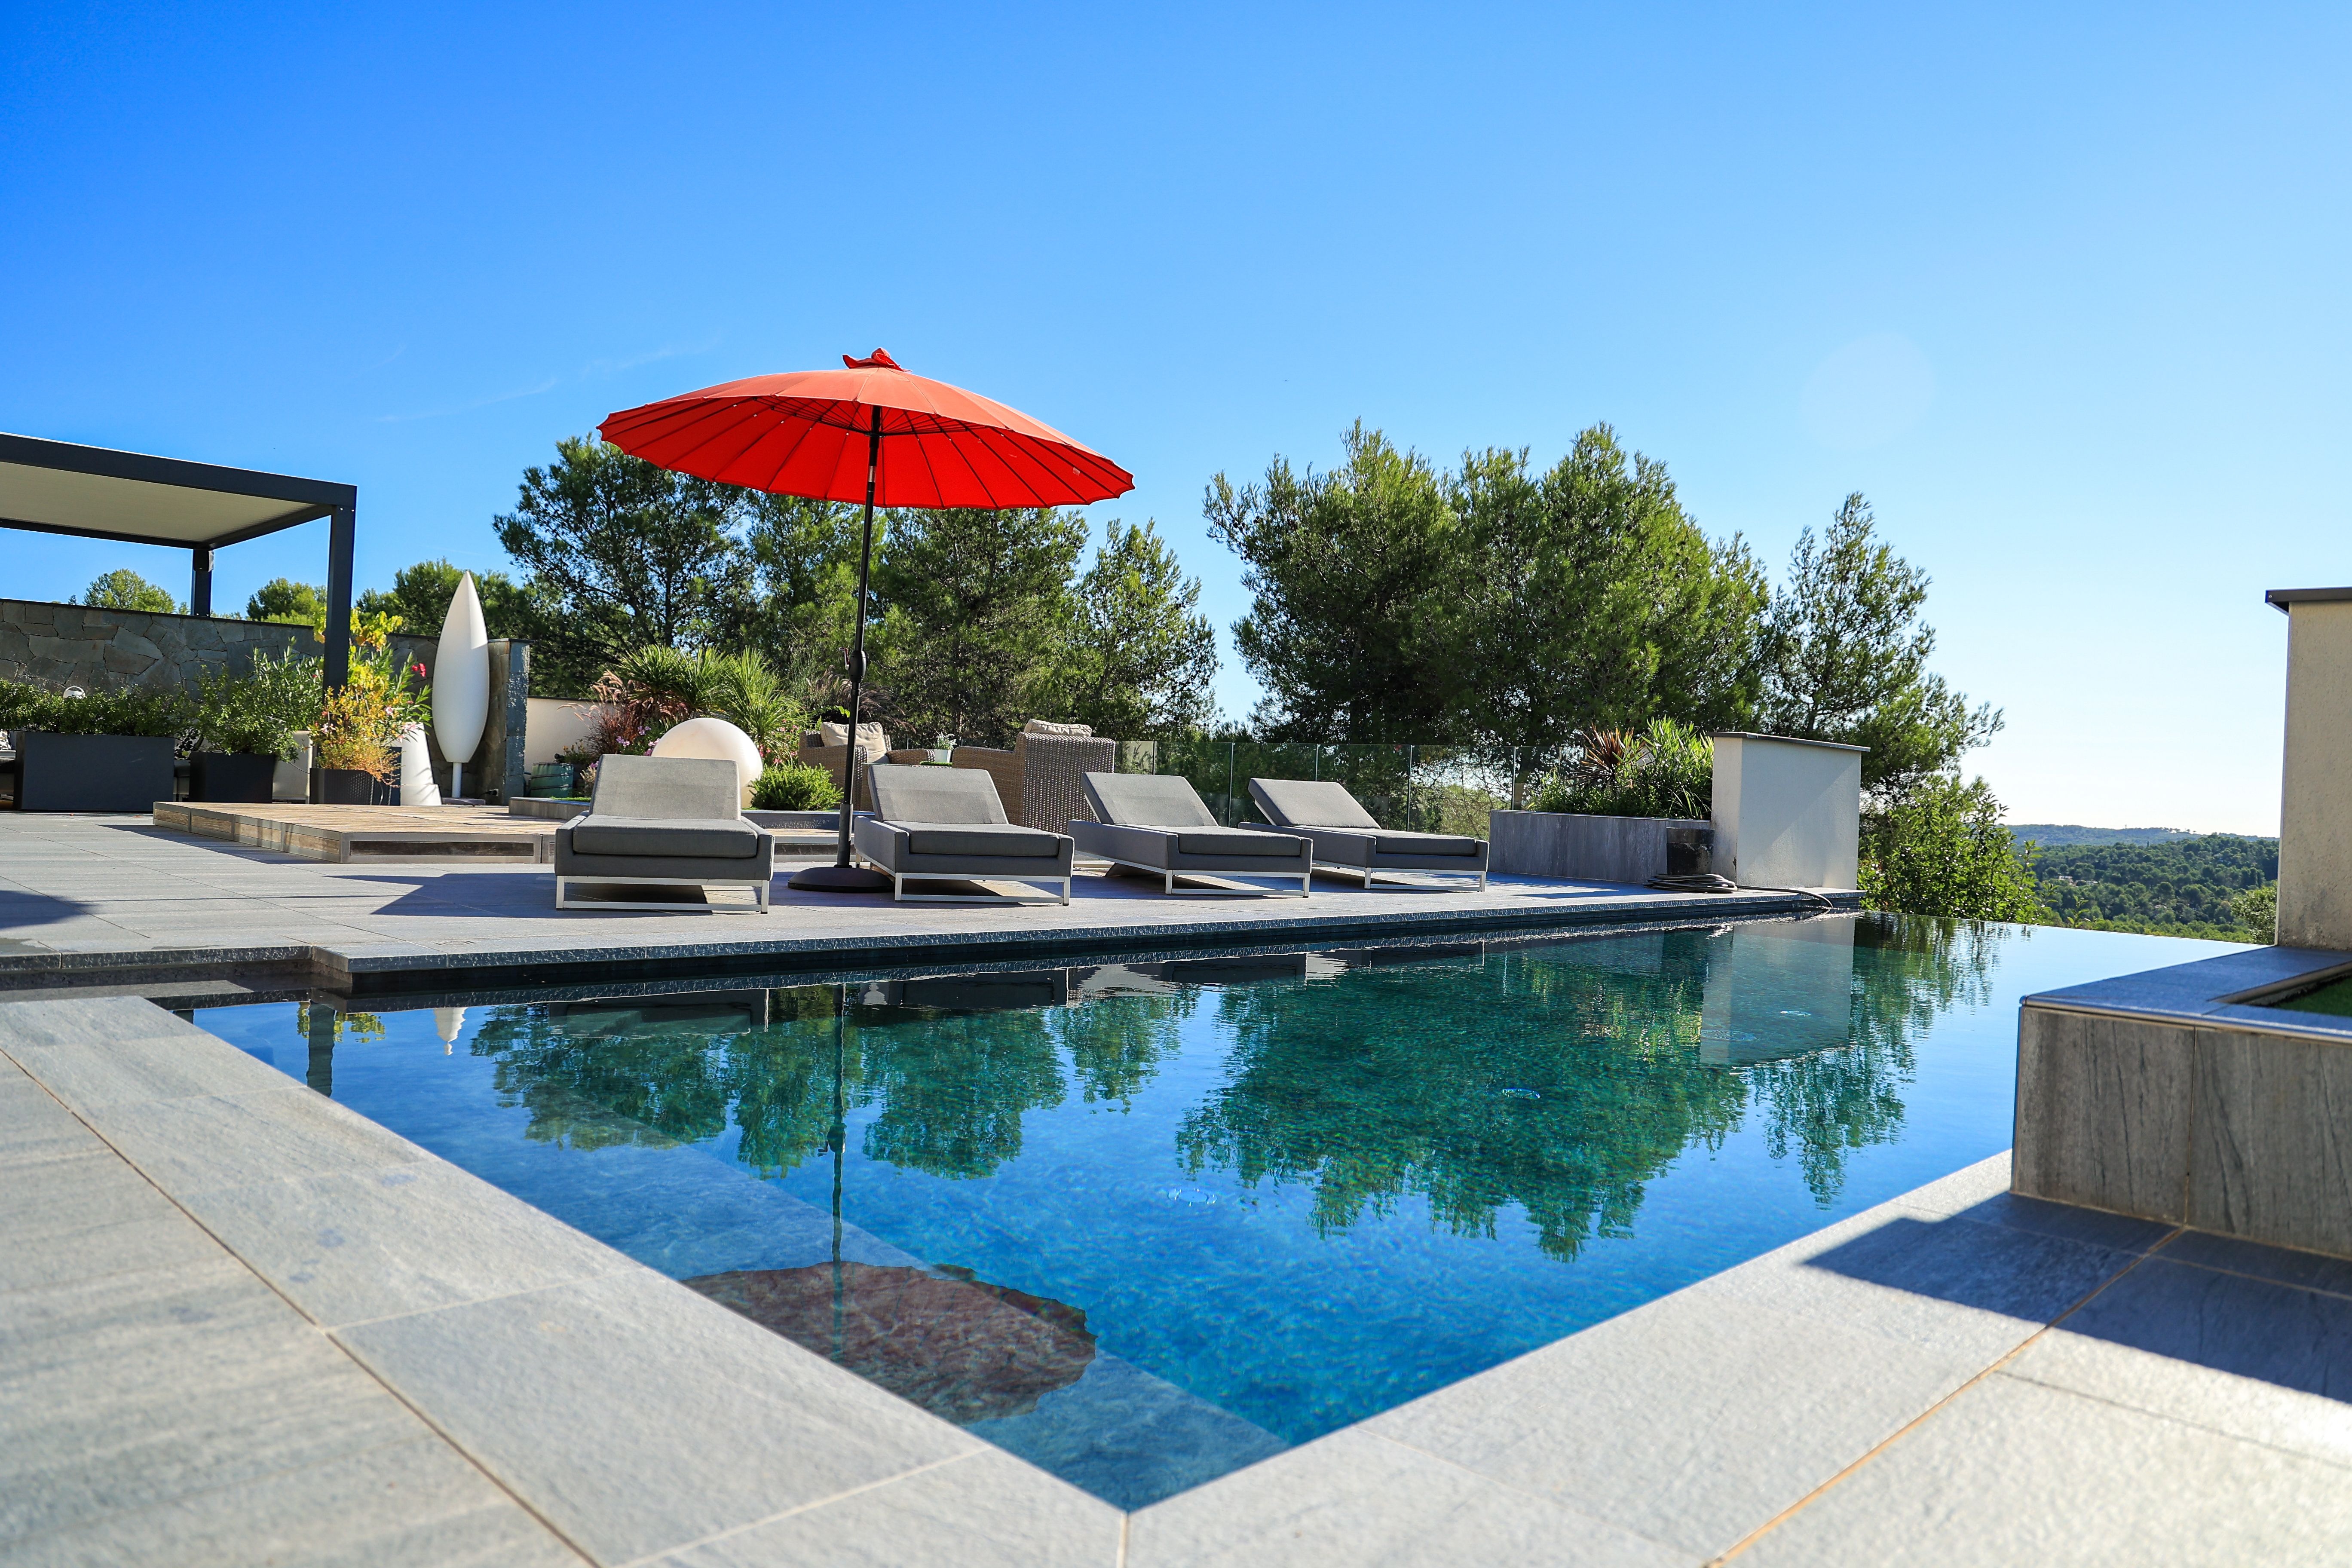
[986,1510]
[1980,1192]
[1962,1289]
[2257,1360]
[34,1126]
[34,1022]
[2013,1472]
[81,1215]
[135,1388]
[2308,1270]
[415,1503]
[1354,1501]
[357,1246]
[169,1060]
[1690,1420]
[209,1142]
[713,1425]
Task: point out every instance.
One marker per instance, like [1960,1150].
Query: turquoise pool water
[1144,1222]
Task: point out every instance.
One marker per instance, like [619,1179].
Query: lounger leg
[1065,889]
[898,889]
[559,893]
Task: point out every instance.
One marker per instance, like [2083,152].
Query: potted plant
[104,750]
[241,737]
[352,739]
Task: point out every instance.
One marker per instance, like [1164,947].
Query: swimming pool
[1144,1222]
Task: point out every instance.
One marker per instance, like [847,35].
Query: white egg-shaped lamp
[461,681]
[416,785]
[448,1023]
[710,737]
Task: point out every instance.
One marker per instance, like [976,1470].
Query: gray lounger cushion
[942,839]
[891,846]
[1157,819]
[669,789]
[1309,803]
[1425,844]
[1146,800]
[594,835]
[914,793]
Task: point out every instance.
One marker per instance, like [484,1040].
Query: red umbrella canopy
[808,434]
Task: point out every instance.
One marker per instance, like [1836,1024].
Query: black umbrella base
[839,879]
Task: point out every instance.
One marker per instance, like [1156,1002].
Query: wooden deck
[344,833]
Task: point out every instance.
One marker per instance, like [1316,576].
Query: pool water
[1144,1223]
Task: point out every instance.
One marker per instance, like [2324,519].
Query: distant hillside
[2053,835]
[2186,885]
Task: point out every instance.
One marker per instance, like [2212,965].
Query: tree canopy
[420,596]
[285,600]
[123,589]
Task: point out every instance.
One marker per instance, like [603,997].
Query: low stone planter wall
[1631,849]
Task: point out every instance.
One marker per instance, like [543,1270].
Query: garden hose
[1708,883]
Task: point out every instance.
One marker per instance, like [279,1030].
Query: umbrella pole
[841,877]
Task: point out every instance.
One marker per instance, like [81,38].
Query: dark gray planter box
[1630,849]
[231,776]
[92,772]
[348,786]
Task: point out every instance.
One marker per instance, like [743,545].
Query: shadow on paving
[2278,1316]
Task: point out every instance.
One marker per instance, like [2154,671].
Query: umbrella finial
[879,360]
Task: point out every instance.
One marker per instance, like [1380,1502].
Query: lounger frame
[760,892]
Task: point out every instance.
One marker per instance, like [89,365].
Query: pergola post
[338,595]
[200,582]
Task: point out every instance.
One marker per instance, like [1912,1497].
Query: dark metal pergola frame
[310,499]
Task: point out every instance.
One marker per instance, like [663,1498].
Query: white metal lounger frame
[1168,881]
[899,880]
[1369,872]
[759,891]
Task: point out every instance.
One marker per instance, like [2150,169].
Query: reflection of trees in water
[1563,1099]
[1116,1043]
[1559,1080]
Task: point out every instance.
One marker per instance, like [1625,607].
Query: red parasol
[869,430]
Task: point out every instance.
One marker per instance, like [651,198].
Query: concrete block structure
[1788,813]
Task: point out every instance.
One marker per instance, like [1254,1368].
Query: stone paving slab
[341,1365]
[100,891]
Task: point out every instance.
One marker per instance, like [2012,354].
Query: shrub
[25,706]
[239,716]
[1667,769]
[795,786]
[1941,850]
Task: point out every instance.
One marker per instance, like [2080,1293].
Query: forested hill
[2053,834]
[2185,881]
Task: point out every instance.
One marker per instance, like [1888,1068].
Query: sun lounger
[1348,839]
[946,825]
[662,822]
[1155,823]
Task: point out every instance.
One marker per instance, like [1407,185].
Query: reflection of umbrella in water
[954,1343]
[957,1346]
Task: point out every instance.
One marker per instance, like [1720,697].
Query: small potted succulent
[102,751]
[241,737]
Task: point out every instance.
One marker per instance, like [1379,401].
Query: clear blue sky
[2062,294]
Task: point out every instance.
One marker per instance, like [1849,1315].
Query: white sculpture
[461,682]
[710,737]
[416,785]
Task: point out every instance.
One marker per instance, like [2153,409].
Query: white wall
[2314,881]
[1788,813]
[555,723]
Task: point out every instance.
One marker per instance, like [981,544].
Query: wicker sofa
[1041,780]
[832,759]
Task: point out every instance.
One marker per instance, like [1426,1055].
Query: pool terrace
[238,1320]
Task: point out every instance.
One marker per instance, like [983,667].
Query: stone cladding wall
[85,646]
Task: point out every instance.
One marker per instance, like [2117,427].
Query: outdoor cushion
[870,737]
[916,792]
[1147,800]
[1308,803]
[946,838]
[603,835]
[1425,844]
[1047,727]
[1238,841]
[667,789]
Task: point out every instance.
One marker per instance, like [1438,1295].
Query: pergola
[95,492]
